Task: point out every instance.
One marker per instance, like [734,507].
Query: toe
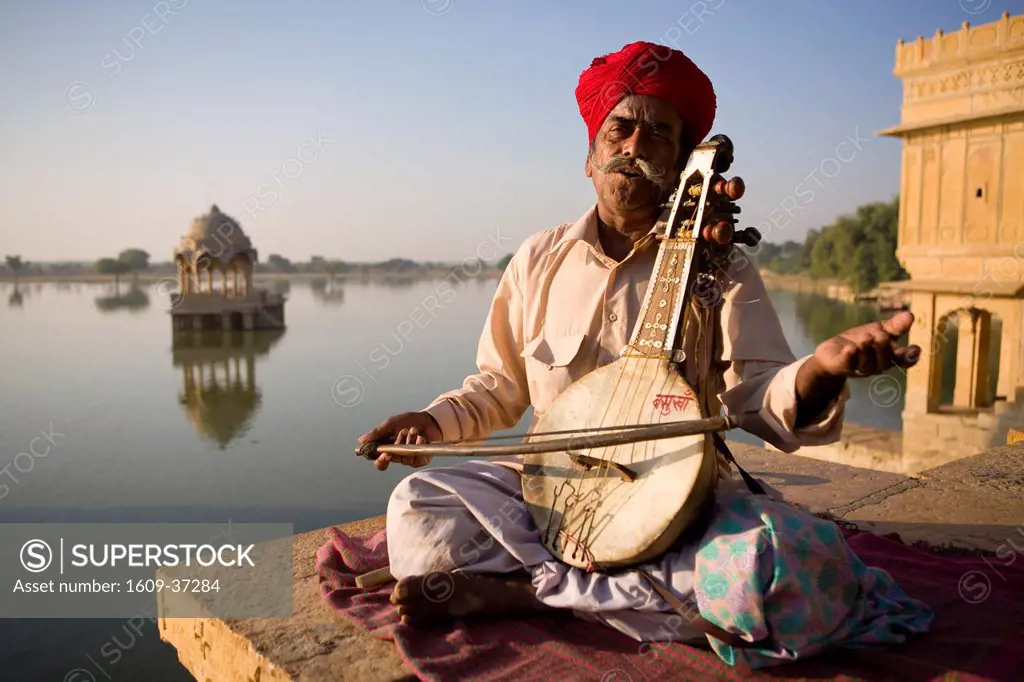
[404,591]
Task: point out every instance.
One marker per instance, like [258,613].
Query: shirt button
[613,317]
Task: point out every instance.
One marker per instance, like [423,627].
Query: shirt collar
[585,230]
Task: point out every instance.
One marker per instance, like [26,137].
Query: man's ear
[588,168]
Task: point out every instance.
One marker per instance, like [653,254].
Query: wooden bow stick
[601,437]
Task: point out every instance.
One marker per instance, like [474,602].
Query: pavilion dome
[217,234]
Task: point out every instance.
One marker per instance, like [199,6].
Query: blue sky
[442,124]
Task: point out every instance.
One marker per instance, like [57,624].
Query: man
[565,305]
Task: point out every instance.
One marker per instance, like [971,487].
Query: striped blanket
[977,633]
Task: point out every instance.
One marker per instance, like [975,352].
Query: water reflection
[280,286]
[219,391]
[823,318]
[16,299]
[134,300]
[327,291]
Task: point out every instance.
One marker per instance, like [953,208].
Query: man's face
[633,163]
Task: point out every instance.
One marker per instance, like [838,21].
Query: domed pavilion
[215,261]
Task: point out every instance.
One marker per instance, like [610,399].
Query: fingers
[907,357]
[411,428]
[378,432]
[878,356]
[414,461]
[899,324]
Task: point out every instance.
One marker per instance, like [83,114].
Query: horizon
[131,125]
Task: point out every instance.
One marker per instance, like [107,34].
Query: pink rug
[978,632]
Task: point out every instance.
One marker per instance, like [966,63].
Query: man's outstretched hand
[858,352]
[868,349]
[409,428]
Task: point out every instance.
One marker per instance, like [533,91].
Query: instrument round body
[588,514]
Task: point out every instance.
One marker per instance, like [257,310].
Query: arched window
[968,344]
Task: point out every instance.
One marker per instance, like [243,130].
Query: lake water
[133,443]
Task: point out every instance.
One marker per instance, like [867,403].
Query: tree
[278,263]
[865,274]
[331,267]
[860,249]
[398,265]
[137,259]
[822,257]
[112,266]
[15,264]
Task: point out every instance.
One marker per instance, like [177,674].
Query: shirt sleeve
[760,370]
[496,397]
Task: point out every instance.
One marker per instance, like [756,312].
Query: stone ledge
[314,644]
[973,503]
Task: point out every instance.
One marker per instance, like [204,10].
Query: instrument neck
[657,332]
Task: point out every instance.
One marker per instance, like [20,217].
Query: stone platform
[975,503]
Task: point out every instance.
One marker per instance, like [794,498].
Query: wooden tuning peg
[720,233]
[732,189]
[748,236]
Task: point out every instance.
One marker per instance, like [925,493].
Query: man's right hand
[409,428]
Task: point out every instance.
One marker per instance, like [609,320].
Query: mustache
[659,175]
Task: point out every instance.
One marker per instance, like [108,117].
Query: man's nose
[634,146]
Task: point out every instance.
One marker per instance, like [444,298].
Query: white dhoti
[471,518]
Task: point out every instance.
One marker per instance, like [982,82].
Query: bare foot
[448,596]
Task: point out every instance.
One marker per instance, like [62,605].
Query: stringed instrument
[623,463]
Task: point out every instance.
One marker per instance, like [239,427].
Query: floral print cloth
[769,569]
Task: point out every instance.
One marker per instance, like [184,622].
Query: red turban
[648,69]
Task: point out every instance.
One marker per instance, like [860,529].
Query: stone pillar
[248,278]
[225,322]
[249,320]
[980,377]
[182,279]
[197,323]
[966,359]
[209,280]
[943,334]
[234,276]
[922,387]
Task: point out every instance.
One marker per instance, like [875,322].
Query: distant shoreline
[801,283]
[369,276]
